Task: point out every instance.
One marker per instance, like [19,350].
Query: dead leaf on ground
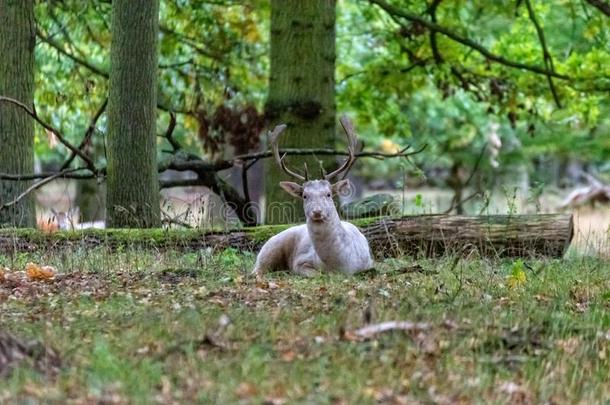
[3,271]
[39,273]
[246,390]
[569,345]
[288,356]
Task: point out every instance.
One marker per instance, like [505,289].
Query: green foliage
[389,76]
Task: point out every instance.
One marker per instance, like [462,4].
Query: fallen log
[547,235]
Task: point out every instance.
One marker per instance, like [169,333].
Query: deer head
[317,195]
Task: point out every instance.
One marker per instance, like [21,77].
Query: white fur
[323,243]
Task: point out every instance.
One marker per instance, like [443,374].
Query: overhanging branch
[601,5]
[88,134]
[39,184]
[395,11]
[548,60]
[55,131]
[91,67]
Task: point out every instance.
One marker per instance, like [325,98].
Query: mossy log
[424,235]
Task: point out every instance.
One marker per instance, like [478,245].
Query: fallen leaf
[246,390]
[288,356]
[39,273]
[3,271]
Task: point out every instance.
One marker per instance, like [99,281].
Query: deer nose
[316,213]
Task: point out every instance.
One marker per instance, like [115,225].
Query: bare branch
[329,152]
[601,6]
[49,127]
[170,131]
[88,134]
[55,45]
[548,60]
[34,176]
[192,43]
[39,184]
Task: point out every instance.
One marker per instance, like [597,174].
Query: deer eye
[328,195]
[304,197]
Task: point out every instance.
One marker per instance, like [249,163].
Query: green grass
[138,326]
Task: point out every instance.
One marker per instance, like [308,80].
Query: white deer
[324,242]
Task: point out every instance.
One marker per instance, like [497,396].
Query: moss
[150,237]
[363,222]
[262,233]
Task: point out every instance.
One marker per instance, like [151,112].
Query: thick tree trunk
[493,236]
[133,188]
[17,41]
[301,91]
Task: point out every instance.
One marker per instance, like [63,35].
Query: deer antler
[273,138]
[352,145]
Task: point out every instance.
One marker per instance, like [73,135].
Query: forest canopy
[476,87]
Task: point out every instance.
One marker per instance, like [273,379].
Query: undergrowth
[140,326]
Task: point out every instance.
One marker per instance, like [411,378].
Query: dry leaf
[3,271]
[246,390]
[288,356]
[39,273]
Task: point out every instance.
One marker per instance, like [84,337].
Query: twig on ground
[370,331]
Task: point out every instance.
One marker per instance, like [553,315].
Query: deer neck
[327,237]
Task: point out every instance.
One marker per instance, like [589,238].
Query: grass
[135,326]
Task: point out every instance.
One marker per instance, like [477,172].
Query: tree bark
[301,91]
[133,187]
[547,235]
[17,41]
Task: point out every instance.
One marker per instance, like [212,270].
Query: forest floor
[139,326]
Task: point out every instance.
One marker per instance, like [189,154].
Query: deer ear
[292,188]
[342,187]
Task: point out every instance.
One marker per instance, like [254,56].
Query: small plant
[517,276]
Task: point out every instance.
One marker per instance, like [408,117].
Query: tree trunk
[17,41]
[547,235]
[301,91]
[133,188]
